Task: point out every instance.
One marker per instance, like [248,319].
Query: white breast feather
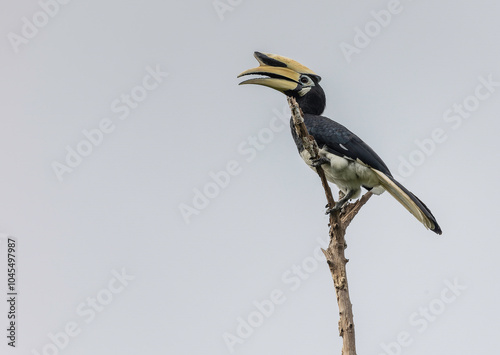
[346,173]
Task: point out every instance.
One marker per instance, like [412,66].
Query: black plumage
[347,160]
[338,140]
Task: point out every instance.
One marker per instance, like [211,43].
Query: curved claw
[319,161]
[338,206]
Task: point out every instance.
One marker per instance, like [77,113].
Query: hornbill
[347,161]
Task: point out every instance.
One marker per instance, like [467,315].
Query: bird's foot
[319,161]
[338,207]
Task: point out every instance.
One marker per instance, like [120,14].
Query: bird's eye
[305,80]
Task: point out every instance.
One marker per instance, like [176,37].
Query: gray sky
[157,207]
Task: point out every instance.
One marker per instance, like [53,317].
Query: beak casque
[283,73]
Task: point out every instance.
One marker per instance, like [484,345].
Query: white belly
[347,174]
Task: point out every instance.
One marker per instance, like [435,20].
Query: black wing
[338,140]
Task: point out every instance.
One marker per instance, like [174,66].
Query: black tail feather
[427,212]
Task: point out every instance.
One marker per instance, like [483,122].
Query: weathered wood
[339,221]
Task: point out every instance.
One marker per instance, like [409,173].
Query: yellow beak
[283,73]
[282,79]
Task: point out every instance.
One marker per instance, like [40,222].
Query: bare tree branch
[339,221]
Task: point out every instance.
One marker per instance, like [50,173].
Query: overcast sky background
[196,277]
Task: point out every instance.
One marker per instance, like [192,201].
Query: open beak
[281,73]
[281,79]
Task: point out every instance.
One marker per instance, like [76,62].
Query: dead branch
[339,221]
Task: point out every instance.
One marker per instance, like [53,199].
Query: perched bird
[347,161]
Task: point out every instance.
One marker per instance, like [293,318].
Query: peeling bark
[339,221]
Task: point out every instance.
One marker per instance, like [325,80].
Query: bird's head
[291,78]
